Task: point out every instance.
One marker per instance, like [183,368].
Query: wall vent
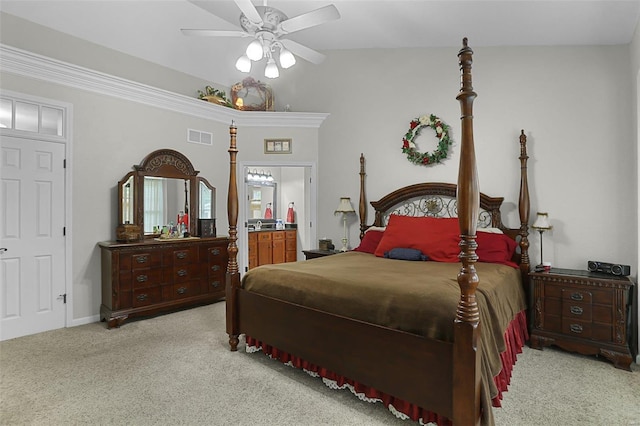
[199,137]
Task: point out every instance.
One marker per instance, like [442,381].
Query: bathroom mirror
[262,200]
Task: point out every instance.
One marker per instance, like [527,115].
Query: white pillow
[375,228]
[491,230]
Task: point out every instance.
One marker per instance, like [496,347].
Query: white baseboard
[86,320]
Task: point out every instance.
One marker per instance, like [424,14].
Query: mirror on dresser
[164,196]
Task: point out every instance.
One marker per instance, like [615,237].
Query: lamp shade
[542,222]
[345,206]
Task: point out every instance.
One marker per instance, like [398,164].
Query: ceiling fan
[268,27]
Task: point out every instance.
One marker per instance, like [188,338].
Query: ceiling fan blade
[213,33]
[249,11]
[310,19]
[303,51]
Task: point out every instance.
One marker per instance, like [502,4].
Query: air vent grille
[199,137]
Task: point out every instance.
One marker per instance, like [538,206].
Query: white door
[32,262]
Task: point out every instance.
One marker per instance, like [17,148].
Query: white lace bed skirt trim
[332,384]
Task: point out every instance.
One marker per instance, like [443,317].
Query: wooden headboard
[437,199]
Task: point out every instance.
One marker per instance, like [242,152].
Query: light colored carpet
[177,370]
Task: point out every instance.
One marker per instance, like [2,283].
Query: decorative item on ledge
[252,95]
[215,96]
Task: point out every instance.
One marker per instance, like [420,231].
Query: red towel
[291,215]
[267,213]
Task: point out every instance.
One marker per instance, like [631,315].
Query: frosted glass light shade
[255,51]
[271,70]
[243,64]
[286,59]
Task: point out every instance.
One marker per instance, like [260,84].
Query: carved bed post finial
[363,200]
[524,207]
[233,275]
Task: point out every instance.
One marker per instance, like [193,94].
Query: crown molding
[32,65]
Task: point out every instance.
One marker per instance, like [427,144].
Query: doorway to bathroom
[274,192]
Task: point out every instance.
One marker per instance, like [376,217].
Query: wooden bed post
[466,350]
[363,199]
[232,281]
[523,206]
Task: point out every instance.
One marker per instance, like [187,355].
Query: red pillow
[495,248]
[370,242]
[437,238]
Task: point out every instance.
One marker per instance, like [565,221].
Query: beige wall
[574,103]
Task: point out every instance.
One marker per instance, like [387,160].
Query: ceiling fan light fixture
[271,70]
[255,51]
[287,59]
[243,64]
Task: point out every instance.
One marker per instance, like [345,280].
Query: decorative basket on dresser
[585,312]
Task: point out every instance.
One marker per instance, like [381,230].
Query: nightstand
[583,312]
[312,254]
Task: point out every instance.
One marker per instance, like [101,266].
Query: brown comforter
[416,297]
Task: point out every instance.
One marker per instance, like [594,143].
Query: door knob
[3,249]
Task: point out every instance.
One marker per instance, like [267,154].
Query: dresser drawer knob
[215,251]
[215,268]
[181,254]
[216,284]
[142,297]
[142,278]
[577,296]
[576,310]
[182,272]
[182,290]
[141,259]
[576,328]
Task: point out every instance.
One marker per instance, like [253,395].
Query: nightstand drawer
[573,327]
[576,295]
[580,311]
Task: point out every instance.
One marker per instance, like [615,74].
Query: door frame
[243,231]
[66,139]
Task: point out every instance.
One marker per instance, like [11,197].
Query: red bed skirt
[515,337]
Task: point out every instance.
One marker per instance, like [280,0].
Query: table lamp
[345,208]
[541,224]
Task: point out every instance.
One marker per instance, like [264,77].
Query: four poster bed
[432,340]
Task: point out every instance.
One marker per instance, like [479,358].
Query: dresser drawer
[182,273]
[181,290]
[146,277]
[149,259]
[277,236]
[184,256]
[146,296]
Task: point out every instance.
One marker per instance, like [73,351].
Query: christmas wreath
[442,133]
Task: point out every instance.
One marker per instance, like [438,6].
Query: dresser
[585,312]
[267,247]
[151,277]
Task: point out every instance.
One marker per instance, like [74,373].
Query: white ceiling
[150,29]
